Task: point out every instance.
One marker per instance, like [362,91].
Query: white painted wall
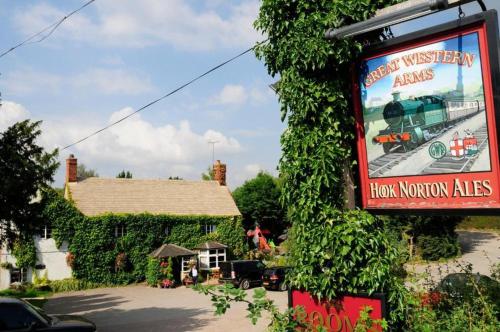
[47,254]
[53,258]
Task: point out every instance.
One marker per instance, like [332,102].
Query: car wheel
[245,284]
[283,287]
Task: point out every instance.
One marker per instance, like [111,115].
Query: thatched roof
[97,196]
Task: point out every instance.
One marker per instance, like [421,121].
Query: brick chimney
[71,165]
[220,173]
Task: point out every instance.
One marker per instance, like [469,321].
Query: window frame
[23,274]
[45,232]
[120,231]
[210,228]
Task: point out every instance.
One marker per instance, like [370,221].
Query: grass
[24,294]
[491,223]
[33,296]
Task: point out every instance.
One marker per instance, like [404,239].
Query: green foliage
[61,214]
[434,236]
[23,293]
[258,201]
[95,248]
[82,172]
[481,222]
[209,175]
[73,285]
[25,168]
[435,247]
[153,272]
[6,265]
[124,175]
[465,302]
[24,251]
[167,272]
[41,283]
[333,251]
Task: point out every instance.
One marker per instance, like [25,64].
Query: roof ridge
[98,178]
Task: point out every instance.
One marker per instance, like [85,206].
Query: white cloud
[105,81]
[149,149]
[11,113]
[113,81]
[230,95]
[253,169]
[131,23]
[236,95]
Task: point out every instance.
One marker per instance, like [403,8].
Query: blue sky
[445,75]
[115,56]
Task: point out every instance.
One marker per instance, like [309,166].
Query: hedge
[95,248]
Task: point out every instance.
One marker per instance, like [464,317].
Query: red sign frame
[340,315]
[466,192]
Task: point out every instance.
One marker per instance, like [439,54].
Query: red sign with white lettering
[426,123]
[338,315]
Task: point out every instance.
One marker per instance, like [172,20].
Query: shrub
[71,284]
[153,273]
[6,265]
[42,283]
[436,247]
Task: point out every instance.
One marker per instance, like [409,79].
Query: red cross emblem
[457,148]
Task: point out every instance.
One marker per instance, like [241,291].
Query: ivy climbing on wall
[334,250]
[96,248]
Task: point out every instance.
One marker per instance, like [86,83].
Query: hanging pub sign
[427,110]
[341,314]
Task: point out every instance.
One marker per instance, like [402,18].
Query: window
[210,259]
[120,231]
[15,317]
[45,232]
[213,262]
[186,264]
[209,228]
[18,275]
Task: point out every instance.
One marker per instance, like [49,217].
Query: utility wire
[166,95]
[51,28]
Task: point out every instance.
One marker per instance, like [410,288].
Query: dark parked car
[274,278]
[459,286]
[242,274]
[19,315]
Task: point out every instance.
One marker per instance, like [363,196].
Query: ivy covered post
[335,250]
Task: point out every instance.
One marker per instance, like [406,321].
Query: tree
[209,175]
[124,175]
[335,250]
[258,200]
[82,172]
[174,178]
[25,169]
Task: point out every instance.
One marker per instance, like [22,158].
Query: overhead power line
[165,95]
[48,30]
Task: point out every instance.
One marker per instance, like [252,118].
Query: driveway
[140,308]
[479,248]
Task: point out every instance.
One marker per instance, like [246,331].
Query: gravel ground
[141,308]
[480,248]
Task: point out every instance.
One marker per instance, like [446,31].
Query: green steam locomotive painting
[423,110]
[412,122]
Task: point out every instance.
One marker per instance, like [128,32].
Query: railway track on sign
[381,165]
[449,164]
